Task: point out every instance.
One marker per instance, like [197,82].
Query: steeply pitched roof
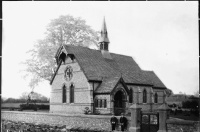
[96,67]
[107,85]
[153,78]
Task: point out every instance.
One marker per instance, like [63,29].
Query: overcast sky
[160,36]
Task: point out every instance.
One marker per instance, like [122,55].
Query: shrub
[43,107]
[87,110]
[28,107]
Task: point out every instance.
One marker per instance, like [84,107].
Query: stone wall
[69,108]
[82,90]
[176,125]
[14,126]
[49,121]
[106,110]
[100,122]
[138,97]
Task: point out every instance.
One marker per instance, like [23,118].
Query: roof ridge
[148,70]
[121,55]
[70,45]
[95,50]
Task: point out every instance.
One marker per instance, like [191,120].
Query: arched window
[145,96]
[96,102]
[101,103]
[105,103]
[156,98]
[101,46]
[72,93]
[131,96]
[105,46]
[64,98]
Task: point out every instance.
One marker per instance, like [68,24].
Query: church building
[102,81]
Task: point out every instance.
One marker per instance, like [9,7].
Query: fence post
[163,116]
[135,118]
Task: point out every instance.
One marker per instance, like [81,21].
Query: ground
[183,115]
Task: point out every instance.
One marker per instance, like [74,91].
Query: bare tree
[64,30]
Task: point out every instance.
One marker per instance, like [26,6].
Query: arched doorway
[119,102]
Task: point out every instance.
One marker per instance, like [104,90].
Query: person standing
[123,122]
[113,122]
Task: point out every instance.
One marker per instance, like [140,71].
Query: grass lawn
[185,116]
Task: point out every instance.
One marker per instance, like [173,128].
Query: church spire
[104,41]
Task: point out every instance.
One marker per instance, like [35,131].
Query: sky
[160,36]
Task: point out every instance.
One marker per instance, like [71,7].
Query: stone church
[102,81]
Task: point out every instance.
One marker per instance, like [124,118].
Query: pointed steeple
[104,41]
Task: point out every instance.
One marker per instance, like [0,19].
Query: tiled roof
[107,85]
[153,78]
[96,67]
